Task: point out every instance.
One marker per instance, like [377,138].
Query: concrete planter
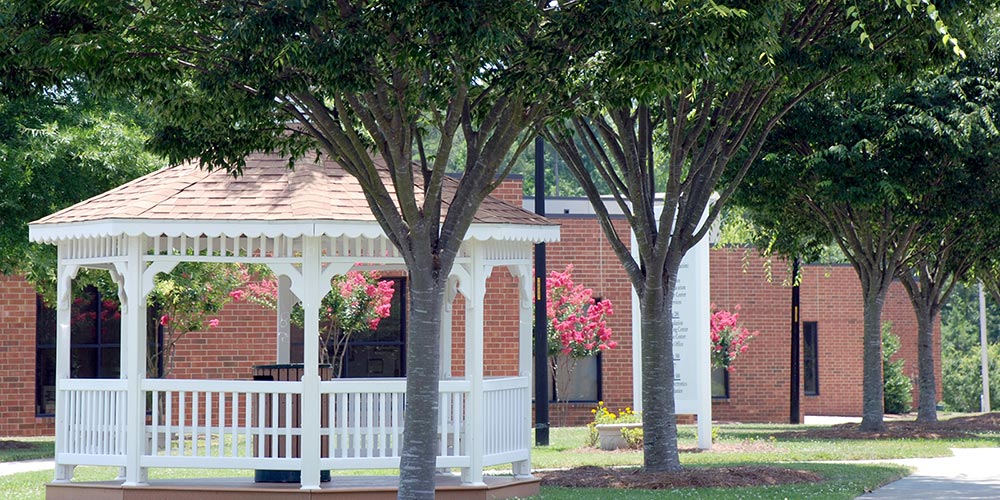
[610,435]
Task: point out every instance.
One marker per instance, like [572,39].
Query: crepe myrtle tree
[361,83]
[678,95]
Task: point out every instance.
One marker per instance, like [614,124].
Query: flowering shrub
[729,339]
[357,303]
[602,415]
[577,326]
[186,299]
[577,323]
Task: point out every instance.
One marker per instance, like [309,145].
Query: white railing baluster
[155,444]
[382,438]
[181,424]
[248,434]
[260,424]
[208,424]
[456,415]
[89,412]
[369,424]
[274,425]
[397,410]
[356,411]
[342,411]
[289,398]
[443,411]
[234,422]
[168,422]
[194,423]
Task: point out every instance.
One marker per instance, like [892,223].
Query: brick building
[758,391]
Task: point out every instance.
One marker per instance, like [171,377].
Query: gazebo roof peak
[317,197]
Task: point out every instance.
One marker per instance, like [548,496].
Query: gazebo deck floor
[341,487]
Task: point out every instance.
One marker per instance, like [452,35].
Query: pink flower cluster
[368,292]
[577,323]
[729,339]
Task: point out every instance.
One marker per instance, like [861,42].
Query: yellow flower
[593,411]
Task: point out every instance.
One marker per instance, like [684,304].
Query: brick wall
[245,337]
[759,385]
[17,361]
[830,295]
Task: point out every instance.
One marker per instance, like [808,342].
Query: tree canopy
[58,146]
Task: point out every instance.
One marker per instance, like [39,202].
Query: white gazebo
[306,225]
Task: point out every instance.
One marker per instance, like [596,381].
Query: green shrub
[592,435]
[898,388]
[632,437]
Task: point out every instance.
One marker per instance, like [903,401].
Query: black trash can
[276,446]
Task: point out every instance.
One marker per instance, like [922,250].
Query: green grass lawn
[755,445]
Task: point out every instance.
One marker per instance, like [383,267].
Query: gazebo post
[524,352]
[118,276]
[446,327]
[475,423]
[64,300]
[312,297]
[135,328]
[284,320]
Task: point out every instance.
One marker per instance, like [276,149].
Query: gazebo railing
[507,407]
[228,424]
[91,421]
[222,424]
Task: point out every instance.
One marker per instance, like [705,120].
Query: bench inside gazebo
[307,225]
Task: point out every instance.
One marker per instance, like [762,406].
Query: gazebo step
[341,487]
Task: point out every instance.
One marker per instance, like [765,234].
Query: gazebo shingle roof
[267,191]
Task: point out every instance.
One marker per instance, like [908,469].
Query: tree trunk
[873,404]
[927,405]
[659,420]
[419,452]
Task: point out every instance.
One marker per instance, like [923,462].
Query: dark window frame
[98,347]
[553,396]
[725,384]
[298,346]
[810,358]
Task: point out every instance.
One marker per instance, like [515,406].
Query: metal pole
[541,335]
[795,370]
[985,402]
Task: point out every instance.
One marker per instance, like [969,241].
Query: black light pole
[795,372]
[541,335]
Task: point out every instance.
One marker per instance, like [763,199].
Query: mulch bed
[691,477]
[15,445]
[954,428]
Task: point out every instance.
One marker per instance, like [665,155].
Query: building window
[583,385]
[720,383]
[95,340]
[379,353]
[810,359]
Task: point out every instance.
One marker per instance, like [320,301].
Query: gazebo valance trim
[54,233]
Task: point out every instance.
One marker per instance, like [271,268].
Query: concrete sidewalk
[972,473]
[8,468]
